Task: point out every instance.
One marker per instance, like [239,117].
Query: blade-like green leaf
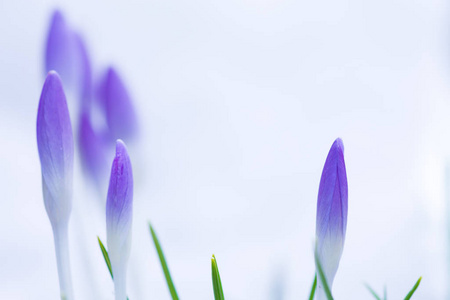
[164,266]
[313,289]
[385,293]
[105,256]
[322,277]
[217,283]
[373,292]
[411,292]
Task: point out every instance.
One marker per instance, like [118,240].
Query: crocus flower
[85,69]
[55,146]
[92,142]
[331,221]
[62,53]
[118,106]
[119,206]
[93,151]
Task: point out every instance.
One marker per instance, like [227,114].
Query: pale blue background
[239,102]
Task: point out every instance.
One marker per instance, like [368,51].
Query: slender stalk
[120,281]
[61,239]
[320,293]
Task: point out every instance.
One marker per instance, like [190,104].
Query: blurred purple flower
[92,144]
[85,73]
[62,53]
[119,211]
[55,146]
[93,151]
[331,221]
[118,106]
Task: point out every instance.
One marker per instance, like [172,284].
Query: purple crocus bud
[331,221]
[93,150]
[119,212]
[55,146]
[119,109]
[62,53]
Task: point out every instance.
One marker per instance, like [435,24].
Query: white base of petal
[60,236]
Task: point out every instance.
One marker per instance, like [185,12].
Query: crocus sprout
[62,52]
[55,146]
[331,220]
[119,110]
[119,207]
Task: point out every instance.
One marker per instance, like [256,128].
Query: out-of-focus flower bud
[62,53]
[119,110]
[93,152]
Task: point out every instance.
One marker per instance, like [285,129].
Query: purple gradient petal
[93,150]
[119,204]
[119,211]
[85,67]
[61,52]
[332,206]
[55,146]
[119,110]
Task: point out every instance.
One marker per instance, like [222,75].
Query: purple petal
[93,149]
[119,110]
[61,52]
[119,204]
[85,73]
[55,146]
[332,204]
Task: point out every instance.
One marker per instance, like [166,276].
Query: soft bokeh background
[239,102]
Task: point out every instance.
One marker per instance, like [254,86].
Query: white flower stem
[120,281]
[61,238]
[320,292]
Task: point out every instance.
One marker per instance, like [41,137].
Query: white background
[239,102]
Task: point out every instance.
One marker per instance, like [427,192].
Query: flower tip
[112,76]
[121,148]
[120,144]
[53,75]
[111,71]
[57,17]
[338,145]
[121,173]
[52,91]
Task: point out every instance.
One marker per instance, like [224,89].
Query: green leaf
[322,277]
[164,266]
[385,293]
[411,292]
[313,289]
[217,283]
[373,292]
[105,256]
